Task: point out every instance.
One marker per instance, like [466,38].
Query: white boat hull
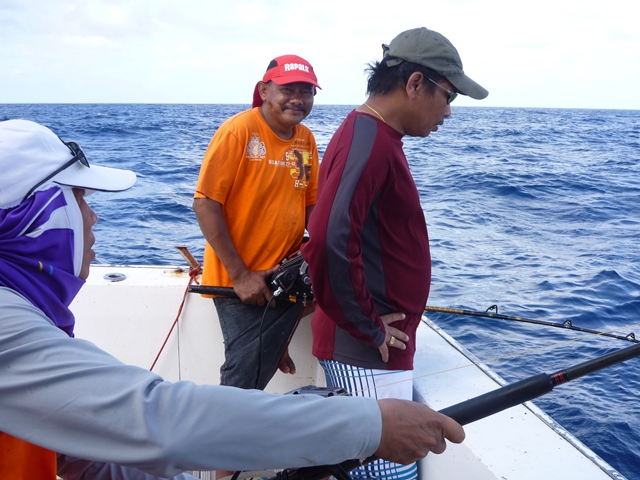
[131,319]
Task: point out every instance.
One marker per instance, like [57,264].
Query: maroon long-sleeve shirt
[368,252]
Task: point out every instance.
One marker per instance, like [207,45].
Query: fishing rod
[567,324]
[480,407]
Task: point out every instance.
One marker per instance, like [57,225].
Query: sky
[535,54]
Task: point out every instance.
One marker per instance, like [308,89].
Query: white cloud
[562,53]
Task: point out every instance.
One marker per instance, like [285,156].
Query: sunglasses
[452,95]
[78,156]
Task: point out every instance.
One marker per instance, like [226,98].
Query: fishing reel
[292,279]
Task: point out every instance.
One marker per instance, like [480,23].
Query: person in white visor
[68,408]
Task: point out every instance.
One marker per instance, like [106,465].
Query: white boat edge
[131,319]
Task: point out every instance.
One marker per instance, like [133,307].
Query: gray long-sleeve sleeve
[69,396]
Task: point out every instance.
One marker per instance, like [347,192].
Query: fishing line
[193,274]
[264,313]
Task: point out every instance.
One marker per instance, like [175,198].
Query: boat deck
[131,319]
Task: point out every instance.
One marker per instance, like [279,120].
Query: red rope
[193,273]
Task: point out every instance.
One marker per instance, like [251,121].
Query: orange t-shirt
[264,184]
[20,460]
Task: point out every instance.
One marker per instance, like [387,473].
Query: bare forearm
[215,231]
[250,286]
[307,214]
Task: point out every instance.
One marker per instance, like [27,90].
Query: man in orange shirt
[256,190]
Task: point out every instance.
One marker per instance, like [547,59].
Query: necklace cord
[374,111]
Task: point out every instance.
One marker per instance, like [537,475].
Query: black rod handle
[210,290]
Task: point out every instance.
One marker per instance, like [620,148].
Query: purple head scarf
[41,247]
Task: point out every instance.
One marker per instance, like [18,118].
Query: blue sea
[534,210]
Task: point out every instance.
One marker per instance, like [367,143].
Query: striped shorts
[379,384]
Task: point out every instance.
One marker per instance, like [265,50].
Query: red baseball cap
[286,69]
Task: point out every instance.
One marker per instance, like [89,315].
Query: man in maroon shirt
[368,252]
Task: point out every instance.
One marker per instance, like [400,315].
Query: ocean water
[533,210]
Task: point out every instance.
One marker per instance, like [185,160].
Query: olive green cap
[432,50]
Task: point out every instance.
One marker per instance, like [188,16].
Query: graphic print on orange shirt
[299,167]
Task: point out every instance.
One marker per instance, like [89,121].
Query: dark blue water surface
[534,210]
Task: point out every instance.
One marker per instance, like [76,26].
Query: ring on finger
[392,340]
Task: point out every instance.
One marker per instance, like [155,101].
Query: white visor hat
[32,157]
